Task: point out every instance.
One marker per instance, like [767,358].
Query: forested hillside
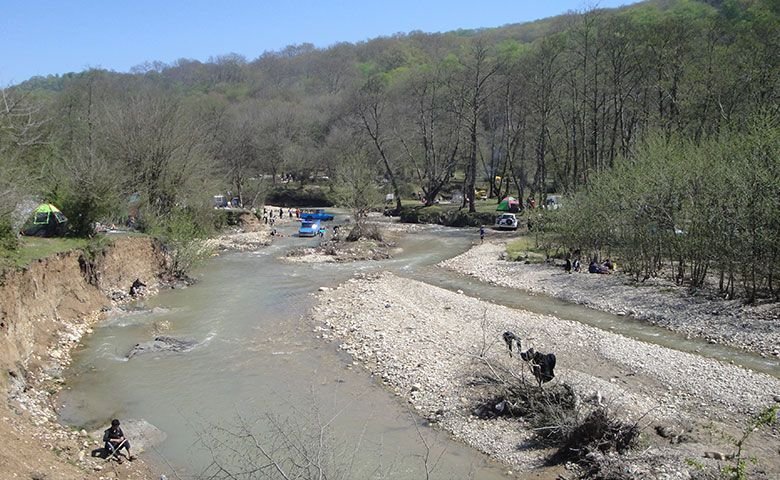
[526,110]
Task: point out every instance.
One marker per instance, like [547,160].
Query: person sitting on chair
[115,441]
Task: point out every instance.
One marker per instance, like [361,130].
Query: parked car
[318,214]
[506,221]
[220,201]
[309,228]
[553,202]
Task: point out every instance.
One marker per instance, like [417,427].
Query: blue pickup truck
[309,228]
[318,214]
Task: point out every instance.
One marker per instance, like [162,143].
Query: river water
[261,361]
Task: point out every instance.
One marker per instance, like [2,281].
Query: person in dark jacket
[114,440]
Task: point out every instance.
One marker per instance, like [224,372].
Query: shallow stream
[260,359]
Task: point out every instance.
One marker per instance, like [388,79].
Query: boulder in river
[141,434]
[162,343]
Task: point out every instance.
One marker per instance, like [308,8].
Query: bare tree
[478,69]
[21,135]
[160,147]
[432,137]
[370,108]
[358,172]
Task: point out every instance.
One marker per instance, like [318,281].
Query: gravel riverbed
[753,328]
[431,347]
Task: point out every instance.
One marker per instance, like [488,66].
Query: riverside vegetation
[679,96]
[658,121]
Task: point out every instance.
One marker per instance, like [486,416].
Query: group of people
[573,264]
[270,215]
[605,267]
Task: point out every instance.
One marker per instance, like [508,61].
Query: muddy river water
[260,359]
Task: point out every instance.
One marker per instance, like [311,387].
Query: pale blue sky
[41,37]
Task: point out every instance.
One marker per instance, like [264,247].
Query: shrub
[558,420]
[598,431]
[365,230]
[182,232]
[298,197]
[8,239]
[448,217]
[8,244]
[419,214]
[226,218]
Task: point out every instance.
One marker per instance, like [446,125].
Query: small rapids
[259,359]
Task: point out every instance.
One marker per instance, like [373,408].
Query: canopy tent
[508,204]
[46,221]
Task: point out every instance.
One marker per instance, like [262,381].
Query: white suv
[506,221]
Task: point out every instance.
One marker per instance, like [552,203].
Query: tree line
[528,109]
[700,211]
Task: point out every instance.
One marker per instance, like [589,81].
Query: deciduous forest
[658,122]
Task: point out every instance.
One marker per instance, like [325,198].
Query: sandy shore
[430,346]
[661,302]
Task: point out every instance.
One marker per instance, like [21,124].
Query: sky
[42,37]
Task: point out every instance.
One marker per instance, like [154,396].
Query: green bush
[8,240]
[8,244]
[182,231]
[448,217]
[225,218]
[462,218]
[298,197]
[82,213]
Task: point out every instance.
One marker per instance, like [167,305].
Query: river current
[260,360]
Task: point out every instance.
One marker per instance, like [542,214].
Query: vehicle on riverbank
[309,228]
[506,221]
[318,214]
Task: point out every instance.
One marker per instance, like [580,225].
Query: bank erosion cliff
[45,309]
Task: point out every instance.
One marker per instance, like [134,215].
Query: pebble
[424,365]
[661,301]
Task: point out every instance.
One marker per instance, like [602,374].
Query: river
[261,360]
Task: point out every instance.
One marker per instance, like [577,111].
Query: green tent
[508,204]
[47,221]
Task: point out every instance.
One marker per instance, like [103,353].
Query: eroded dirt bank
[45,309]
[435,348]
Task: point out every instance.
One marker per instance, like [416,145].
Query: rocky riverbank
[435,348]
[45,310]
[754,328]
[249,234]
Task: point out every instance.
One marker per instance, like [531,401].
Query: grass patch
[525,249]
[31,249]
